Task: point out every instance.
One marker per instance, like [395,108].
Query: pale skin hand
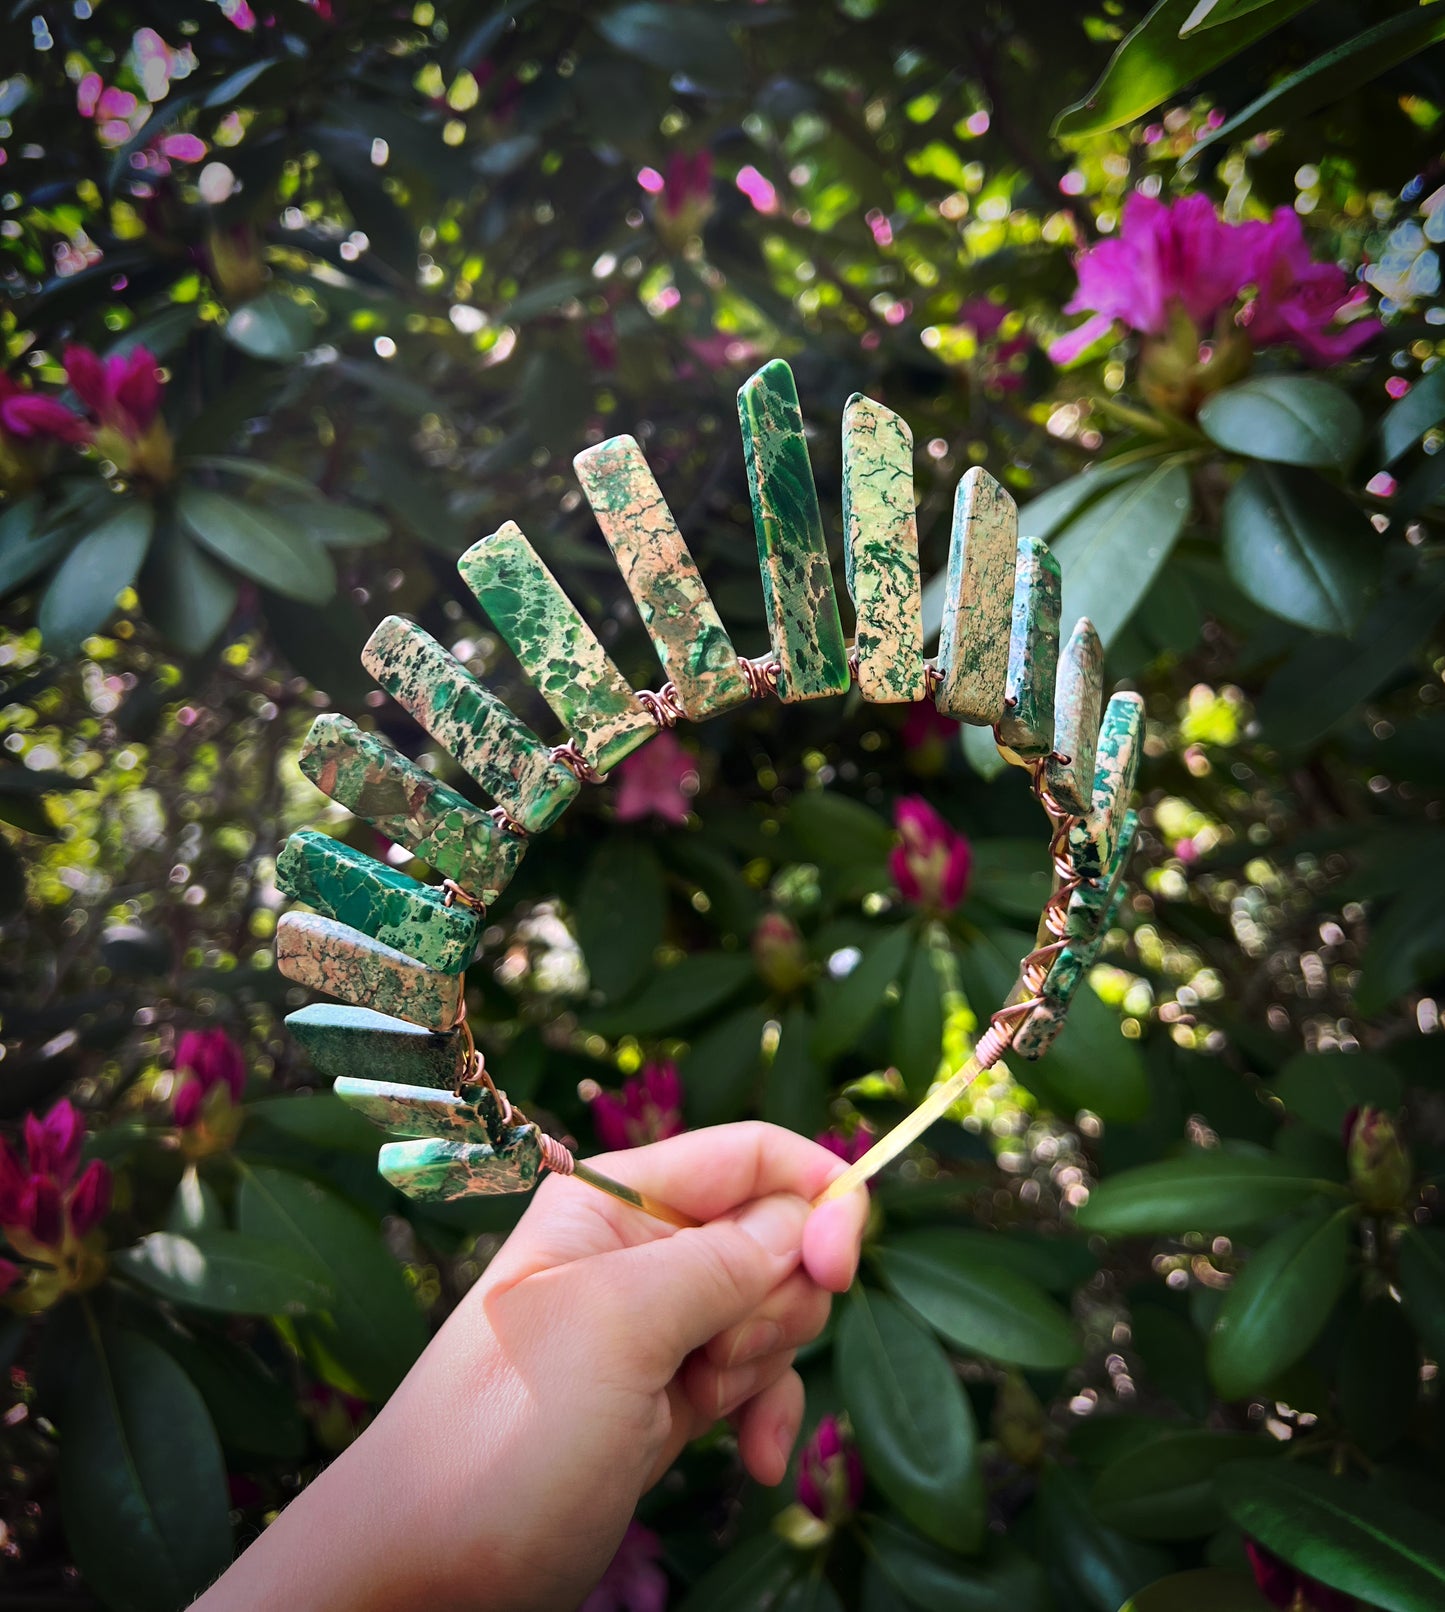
[504,1470]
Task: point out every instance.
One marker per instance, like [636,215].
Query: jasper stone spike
[1090,899]
[356,889]
[401,800]
[692,644]
[505,757]
[1040,1029]
[1027,724]
[1078,706]
[557,649]
[342,1040]
[880,553]
[807,633]
[413,1110]
[327,956]
[973,647]
[1116,765]
[438,1171]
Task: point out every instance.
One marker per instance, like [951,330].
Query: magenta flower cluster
[1181,258]
[647,1109]
[931,864]
[830,1473]
[205,1059]
[47,1203]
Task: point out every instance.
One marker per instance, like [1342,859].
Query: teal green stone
[414,1110]
[435,1170]
[806,630]
[697,655]
[880,553]
[557,649]
[1078,707]
[1027,724]
[976,635]
[1116,766]
[505,757]
[1093,897]
[341,1040]
[361,771]
[357,890]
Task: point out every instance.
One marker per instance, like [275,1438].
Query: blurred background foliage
[1155,1321]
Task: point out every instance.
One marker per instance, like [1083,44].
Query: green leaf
[226,1271]
[1093,1064]
[319,1119]
[1406,945]
[1332,77]
[1279,1304]
[677,996]
[1211,13]
[686,40]
[82,593]
[720,1069]
[1111,552]
[795,1091]
[1322,1087]
[1421,1258]
[918,1025]
[750,1578]
[187,597]
[1299,550]
[1048,514]
[272,326]
[1201,1589]
[256,470]
[834,831]
[1006,1580]
[195,1206]
[1208,1191]
[1173,1354]
[1012,876]
[846,1007]
[1100,1565]
[1340,1532]
[912,1419]
[1154,64]
[1286,419]
[259,544]
[1164,1489]
[978,1304]
[323,643]
[334,526]
[981,751]
[254,1412]
[1379,1376]
[234,84]
[142,1485]
[376,1330]
[621,908]
[27,543]
[1420,410]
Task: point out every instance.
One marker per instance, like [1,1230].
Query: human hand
[504,1470]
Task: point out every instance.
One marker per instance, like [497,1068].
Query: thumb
[687,1288]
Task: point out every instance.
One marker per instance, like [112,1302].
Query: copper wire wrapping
[572,758]
[455,894]
[762,676]
[662,705]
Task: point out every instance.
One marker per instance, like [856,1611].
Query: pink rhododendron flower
[758,190]
[1298,300]
[647,1109]
[207,1059]
[830,1474]
[633,1582]
[27,415]
[931,866]
[46,1207]
[657,781]
[780,954]
[848,1148]
[687,182]
[122,395]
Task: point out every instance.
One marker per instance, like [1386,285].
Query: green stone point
[354,1040]
[1027,724]
[355,889]
[802,608]
[437,1171]
[413,1110]
[974,642]
[1078,707]
[361,771]
[505,757]
[324,955]
[1116,765]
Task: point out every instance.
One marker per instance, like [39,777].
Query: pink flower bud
[779,953]
[848,1148]
[830,1474]
[12,1184]
[52,1144]
[214,1059]
[1380,1168]
[42,1211]
[647,1109]
[90,1198]
[186,1103]
[931,866]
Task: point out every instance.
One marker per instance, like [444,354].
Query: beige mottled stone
[1116,765]
[1078,707]
[692,644]
[326,956]
[973,646]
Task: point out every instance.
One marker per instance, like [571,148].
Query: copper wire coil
[556,1156]
[662,705]
[572,758]
[762,676]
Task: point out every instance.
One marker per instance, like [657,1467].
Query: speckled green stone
[1116,765]
[347,1040]
[880,553]
[1027,723]
[973,645]
[362,772]
[692,644]
[1095,896]
[327,956]
[505,757]
[436,1171]
[1039,1031]
[343,883]
[1078,706]
[413,1110]
[557,649]
[802,608]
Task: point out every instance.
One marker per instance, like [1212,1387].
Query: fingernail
[776,1224]
[761,1338]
